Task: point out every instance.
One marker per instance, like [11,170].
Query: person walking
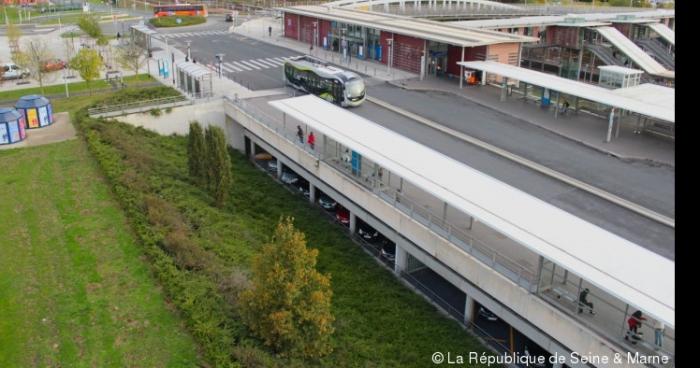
[633,324]
[565,109]
[269,31]
[583,302]
[658,334]
[300,134]
[312,140]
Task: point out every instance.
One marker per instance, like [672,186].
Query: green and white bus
[330,83]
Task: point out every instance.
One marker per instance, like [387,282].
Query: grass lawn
[171,21]
[74,288]
[379,322]
[56,89]
[68,18]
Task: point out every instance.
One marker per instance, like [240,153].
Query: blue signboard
[356,162]
[545,97]
[378,52]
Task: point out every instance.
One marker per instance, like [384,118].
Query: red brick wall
[563,36]
[306,28]
[382,41]
[291,28]
[454,54]
[623,28]
[407,53]
[325,29]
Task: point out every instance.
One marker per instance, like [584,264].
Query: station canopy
[625,270]
[634,103]
[407,26]
[544,20]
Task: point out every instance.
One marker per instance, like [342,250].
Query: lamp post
[390,50]
[189,53]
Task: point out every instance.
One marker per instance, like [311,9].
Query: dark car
[342,215]
[303,186]
[483,312]
[326,202]
[367,233]
[229,17]
[388,251]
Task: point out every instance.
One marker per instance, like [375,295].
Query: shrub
[171,21]
[155,112]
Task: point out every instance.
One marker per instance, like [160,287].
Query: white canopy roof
[573,88]
[651,94]
[618,266]
[666,33]
[358,3]
[620,69]
[190,68]
[144,29]
[633,51]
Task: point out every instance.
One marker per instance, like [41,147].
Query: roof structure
[651,94]
[358,3]
[534,21]
[666,33]
[195,70]
[144,29]
[584,249]
[620,69]
[419,28]
[574,88]
[634,52]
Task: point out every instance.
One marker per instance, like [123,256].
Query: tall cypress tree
[196,153]
[209,165]
[221,162]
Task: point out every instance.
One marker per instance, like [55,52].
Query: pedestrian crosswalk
[253,64]
[195,34]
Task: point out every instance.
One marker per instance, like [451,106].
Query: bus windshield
[355,87]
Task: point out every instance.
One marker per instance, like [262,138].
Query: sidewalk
[582,128]
[258,29]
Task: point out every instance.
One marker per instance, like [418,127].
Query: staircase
[604,54]
[657,50]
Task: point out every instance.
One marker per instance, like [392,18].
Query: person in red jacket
[634,322]
[312,140]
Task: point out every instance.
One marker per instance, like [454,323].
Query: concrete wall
[466,272]
[177,121]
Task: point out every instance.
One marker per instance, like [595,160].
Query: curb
[588,145]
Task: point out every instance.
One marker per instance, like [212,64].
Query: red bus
[180,9]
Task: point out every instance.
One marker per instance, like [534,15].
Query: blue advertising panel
[4,135]
[545,97]
[356,162]
[44,116]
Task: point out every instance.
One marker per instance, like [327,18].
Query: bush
[168,110]
[171,21]
[155,112]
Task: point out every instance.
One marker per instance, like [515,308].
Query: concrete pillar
[312,193]
[353,223]
[401,260]
[611,120]
[504,89]
[279,168]
[468,310]
[556,106]
[576,100]
[483,78]
[461,70]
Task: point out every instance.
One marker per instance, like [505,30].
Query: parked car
[263,156]
[53,65]
[326,202]
[272,166]
[303,186]
[289,178]
[367,232]
[229,17]
[483,312]
[342,215]
[388,251]
[12,71]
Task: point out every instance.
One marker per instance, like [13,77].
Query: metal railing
[479,249]
[154,103]
[457,9]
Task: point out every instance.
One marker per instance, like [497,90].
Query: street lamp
[390,56]
[189,54]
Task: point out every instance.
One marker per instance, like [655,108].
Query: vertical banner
[4,137]
[32,119]
[43,116]
[22,132]
[356,162]
[50,110]
[13,132]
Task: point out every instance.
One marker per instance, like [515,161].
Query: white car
[12,71]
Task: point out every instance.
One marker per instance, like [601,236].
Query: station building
[420,46]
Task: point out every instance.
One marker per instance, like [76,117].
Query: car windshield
[355,87]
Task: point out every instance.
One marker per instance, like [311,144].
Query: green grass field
[57,89]
[171,21]
[379,322]
[74,289]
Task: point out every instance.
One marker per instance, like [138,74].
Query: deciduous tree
[88,64]
[35,59]
[131,56]
[289,302]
